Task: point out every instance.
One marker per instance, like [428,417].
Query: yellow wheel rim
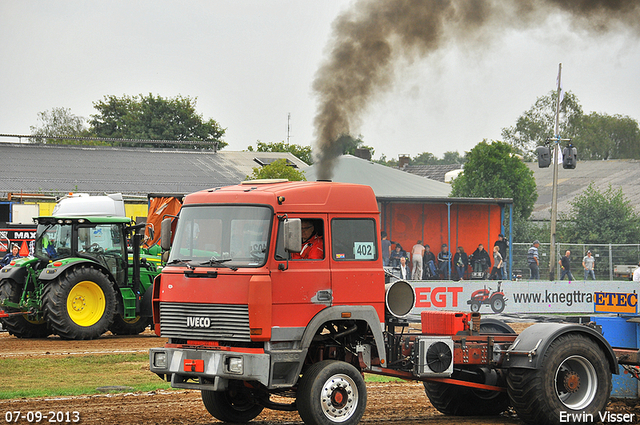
[86,303]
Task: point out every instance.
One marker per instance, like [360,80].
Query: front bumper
[208,369]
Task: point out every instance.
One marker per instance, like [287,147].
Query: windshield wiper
[216,262]
[177,261]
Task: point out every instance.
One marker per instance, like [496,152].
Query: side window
[354,239]
[312,241]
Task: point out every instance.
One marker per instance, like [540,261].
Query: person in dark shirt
[15,253]
[565,265]
[461,261]
[444,261]
[428,263]
[503,245]
[480,260]
[396,254]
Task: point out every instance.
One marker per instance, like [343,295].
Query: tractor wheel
[497,304]
[331,392]
[122,326]
[475,306]
[233,405]
[457,400]
[20,326]
[80,304]
[575,379]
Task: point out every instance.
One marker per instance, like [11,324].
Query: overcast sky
[251,63]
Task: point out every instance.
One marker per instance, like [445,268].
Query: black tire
[575,379]
[233,405]
[122,326]
[331,392]
[464,401]
[457,400]
[475,306]
[80,304]
[497,304]
[20,326]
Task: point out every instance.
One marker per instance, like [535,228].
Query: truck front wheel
[20,325]
[331,392]
[232,405]
[575,379]
[80,304]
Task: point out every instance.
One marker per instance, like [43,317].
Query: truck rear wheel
[331,392]
[80,304]
[457,400]
[20,325]
[122,326]
[232,405]
[575,379]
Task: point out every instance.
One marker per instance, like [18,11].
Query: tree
[538,123]
[600,217]
[301,152]
[493,170]
[60,122]
[278,169]
[154,118]
[605,136]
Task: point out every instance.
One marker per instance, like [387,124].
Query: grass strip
[76,375]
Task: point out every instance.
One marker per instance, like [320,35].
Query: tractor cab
[99,239]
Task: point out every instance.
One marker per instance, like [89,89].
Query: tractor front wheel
[21,326]
[80,304]
[122,326]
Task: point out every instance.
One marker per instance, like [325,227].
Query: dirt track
[397,403]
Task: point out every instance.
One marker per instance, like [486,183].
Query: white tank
[83,205]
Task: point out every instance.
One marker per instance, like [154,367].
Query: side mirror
[165,234]
[292,235]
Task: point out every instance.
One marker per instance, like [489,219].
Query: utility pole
[288,127]
[554,197]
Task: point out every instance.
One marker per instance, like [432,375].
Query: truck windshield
[238,235]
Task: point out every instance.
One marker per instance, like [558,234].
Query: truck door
[358,276]
[301,282]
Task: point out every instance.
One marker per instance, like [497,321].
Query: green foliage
[301,152]
[278,169]
[538,123]
[493,170]
[608,137]
[347,145]
[526,231]
[427,158]
[154,118]
[61,122]
[600,217]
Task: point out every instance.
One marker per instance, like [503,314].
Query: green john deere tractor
[81,281]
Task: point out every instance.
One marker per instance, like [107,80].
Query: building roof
[434,172]
[387,182]
[618,173]
[58,169]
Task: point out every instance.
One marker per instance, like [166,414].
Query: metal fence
[607,257]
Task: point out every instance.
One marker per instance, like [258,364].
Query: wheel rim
[86,303]
[576,382]
[475,307]
[497,304]
[339,398]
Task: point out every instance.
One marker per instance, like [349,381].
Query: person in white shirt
[636,274]
[404,269]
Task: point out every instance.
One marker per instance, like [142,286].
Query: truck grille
[217,322]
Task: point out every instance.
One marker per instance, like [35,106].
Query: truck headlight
[160,359]
[235,365]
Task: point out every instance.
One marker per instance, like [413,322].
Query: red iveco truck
[245,321]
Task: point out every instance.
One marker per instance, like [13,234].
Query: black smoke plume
[375,36]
